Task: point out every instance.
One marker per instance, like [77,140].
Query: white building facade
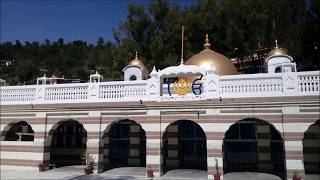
[185,116]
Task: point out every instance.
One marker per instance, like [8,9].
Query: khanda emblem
[182,87]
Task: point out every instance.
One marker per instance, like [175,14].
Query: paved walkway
[249,176]
[129,173]
[186,174]
[126,171]
[10,174]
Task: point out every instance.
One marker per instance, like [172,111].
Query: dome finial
[276,44]
[136,55]
[207,43]
[182,36]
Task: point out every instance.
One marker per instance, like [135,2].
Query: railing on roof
[234,86]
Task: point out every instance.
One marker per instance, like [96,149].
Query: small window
[278,70]
[133,78]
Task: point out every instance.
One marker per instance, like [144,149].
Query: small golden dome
[277,51]
[136,62]
[208,58]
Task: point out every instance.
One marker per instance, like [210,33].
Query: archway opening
[311,146]
[124,145]
[19,131]
[253,145]
[133,78]
[184,146]
[68,143]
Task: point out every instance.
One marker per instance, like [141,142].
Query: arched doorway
[253,145]
[68,143]
[124,145]
[184,146]
[18,131]
[311,149]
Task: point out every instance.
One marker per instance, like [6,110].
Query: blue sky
[37,20]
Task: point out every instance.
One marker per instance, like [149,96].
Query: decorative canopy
[182,69]
[96,77]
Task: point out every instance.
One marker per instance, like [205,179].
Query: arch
[18,131]
[123,145]
[184,146]
[133,78]
[278,69]
[311,146]
[67,141]
[253,145]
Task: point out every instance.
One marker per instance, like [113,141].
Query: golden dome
[136,62]
[208,58]
[277,51]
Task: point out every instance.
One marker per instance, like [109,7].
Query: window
[20,131]
[278,69]
[133,78]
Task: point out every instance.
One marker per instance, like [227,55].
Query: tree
[154,31]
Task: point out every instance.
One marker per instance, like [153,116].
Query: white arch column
[214,152]
[153,142]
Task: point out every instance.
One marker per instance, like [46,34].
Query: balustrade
[308,81]
[58,93]
[251,85]
[18,93]
[120,90]
[248,85]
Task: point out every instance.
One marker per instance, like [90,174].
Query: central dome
[209,59]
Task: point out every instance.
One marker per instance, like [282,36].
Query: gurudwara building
[196,115]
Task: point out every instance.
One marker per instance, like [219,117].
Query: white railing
[18,93]
[124,89]
[246,85]
[251,85]
[308,81]
[66,92]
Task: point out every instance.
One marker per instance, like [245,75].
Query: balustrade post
[153,85]
[290,83]
[93,91]
[40,93]
[211,86]
[153,88]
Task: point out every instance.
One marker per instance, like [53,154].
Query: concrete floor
[140,172]
[249,176]
[185,174]
[312,177]
[129,173]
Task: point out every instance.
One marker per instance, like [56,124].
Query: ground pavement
[128,173]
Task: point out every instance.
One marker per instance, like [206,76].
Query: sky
[87,20]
